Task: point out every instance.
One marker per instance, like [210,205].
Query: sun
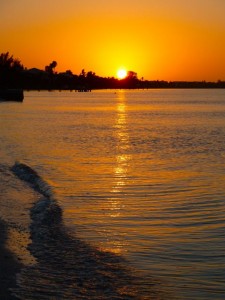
[121,73]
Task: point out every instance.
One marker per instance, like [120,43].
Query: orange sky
[163,39]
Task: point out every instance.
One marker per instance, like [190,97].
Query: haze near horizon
[164,40]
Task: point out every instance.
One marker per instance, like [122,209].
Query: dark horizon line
[116,78]
[14,75]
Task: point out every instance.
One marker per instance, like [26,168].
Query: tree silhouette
[8,62]
[83,73]
[10,70]
[5,61]
[50,68]
[131,75]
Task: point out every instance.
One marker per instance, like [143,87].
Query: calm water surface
[137,173]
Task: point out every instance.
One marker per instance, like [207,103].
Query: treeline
[14,75]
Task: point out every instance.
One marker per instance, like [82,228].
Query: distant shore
[13,75]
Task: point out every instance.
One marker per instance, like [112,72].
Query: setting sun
[122,73]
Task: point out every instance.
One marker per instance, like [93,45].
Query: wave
[67,267]
[45,214]
[27,174]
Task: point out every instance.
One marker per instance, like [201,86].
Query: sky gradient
[160,40]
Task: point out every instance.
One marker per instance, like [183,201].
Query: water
[139,174]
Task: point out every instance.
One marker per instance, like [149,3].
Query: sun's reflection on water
[116,206]
[123,143]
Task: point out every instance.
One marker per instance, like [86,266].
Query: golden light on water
[122,159]
[116,205]
[121,129]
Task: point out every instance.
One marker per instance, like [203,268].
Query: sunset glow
[167,40]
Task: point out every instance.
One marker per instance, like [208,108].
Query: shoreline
[10,266]
[66,267]
[15,202]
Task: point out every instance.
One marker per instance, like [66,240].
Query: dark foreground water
[135,203]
